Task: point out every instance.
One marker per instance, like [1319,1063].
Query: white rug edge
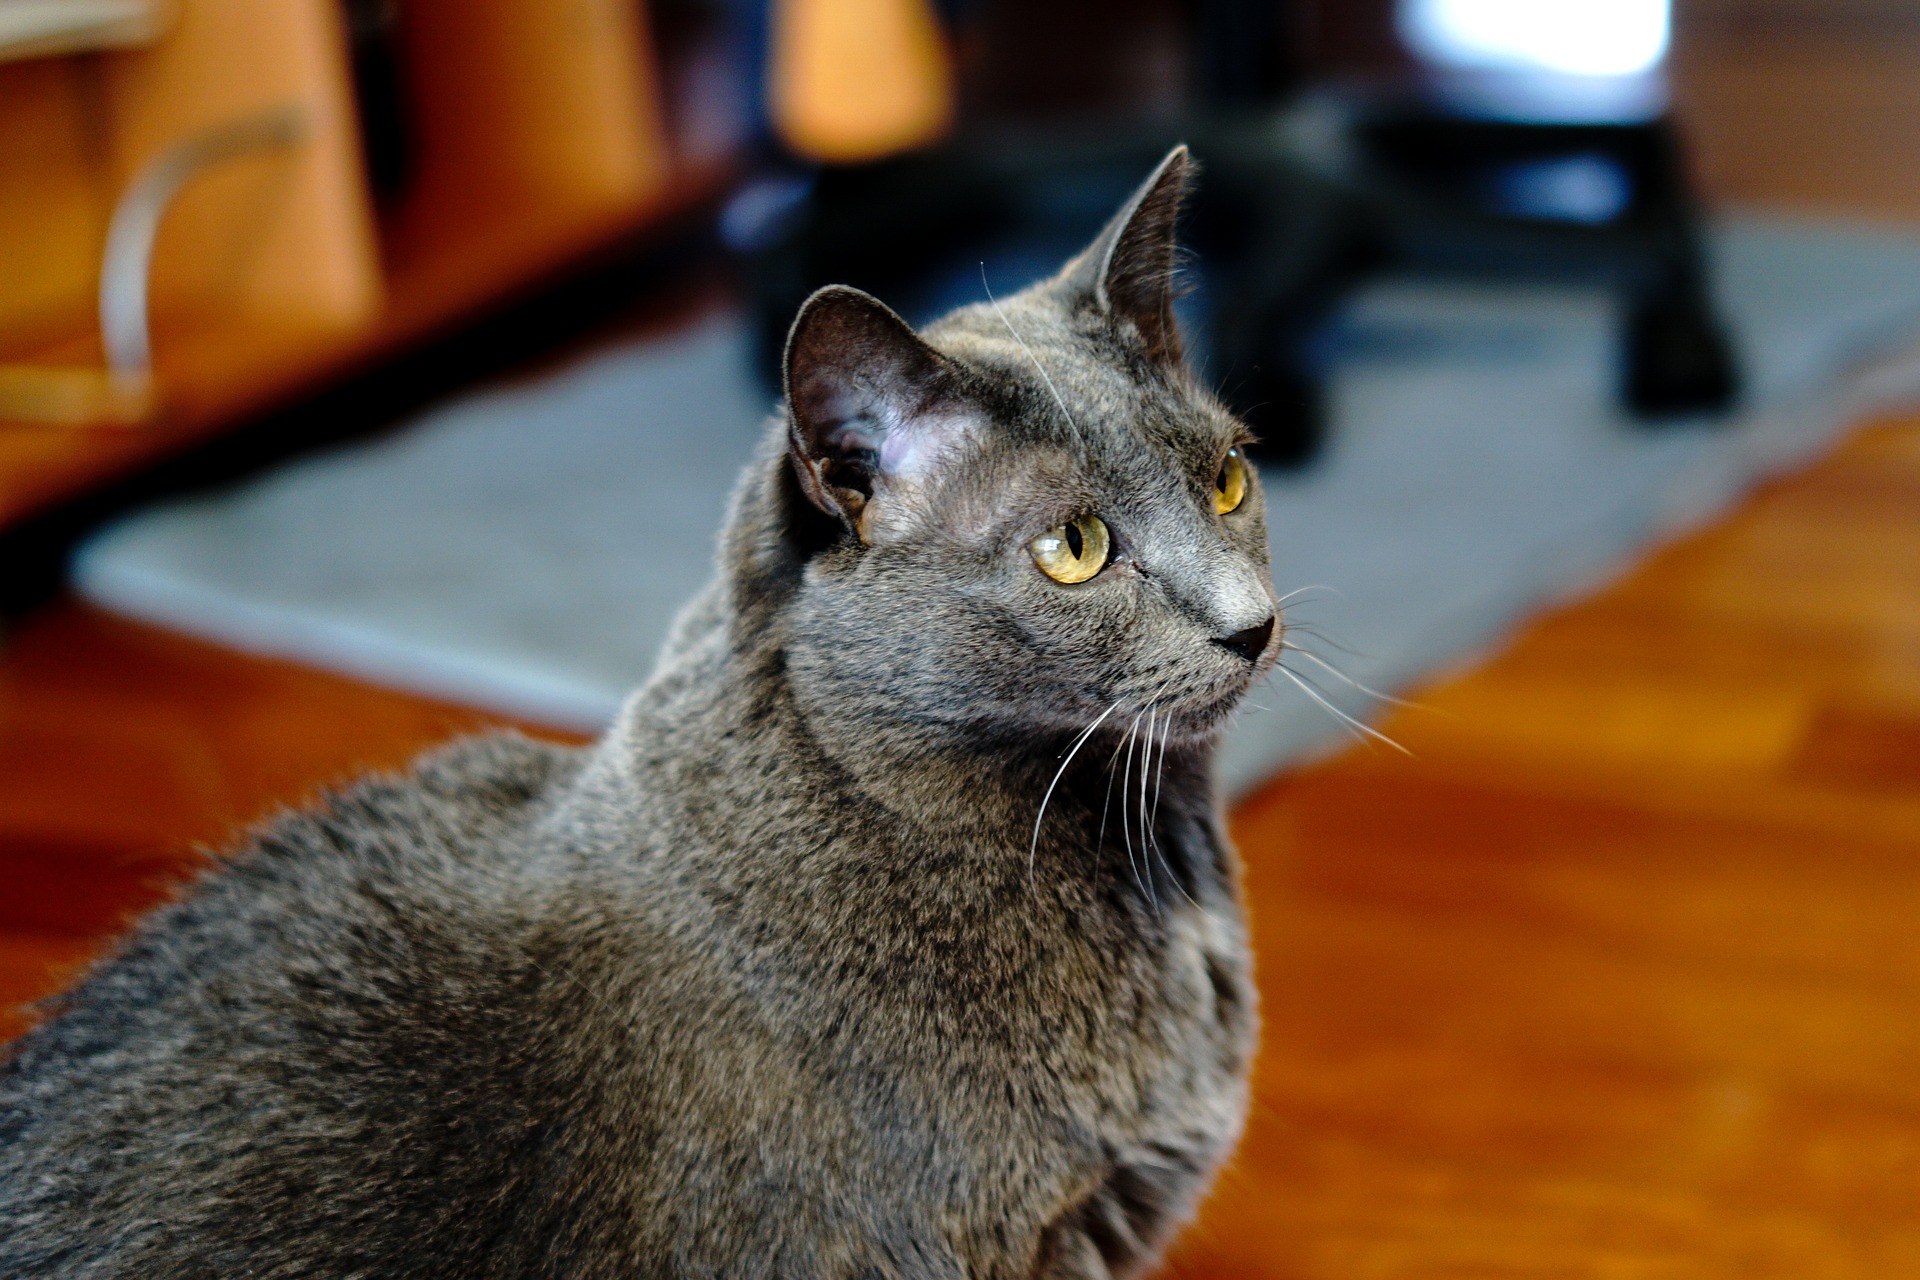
[1779,442]
[1774,442]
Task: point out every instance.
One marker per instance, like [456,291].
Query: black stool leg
[1676,358]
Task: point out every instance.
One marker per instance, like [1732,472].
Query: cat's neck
[723,684]
[730,674]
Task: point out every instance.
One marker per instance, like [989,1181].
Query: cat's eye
[1230,486]
[1074,551]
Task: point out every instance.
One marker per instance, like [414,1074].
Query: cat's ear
[1128,269]
[871,409]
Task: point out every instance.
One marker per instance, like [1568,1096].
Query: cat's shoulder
[391,877]
[440,848]
[453,804]
[498,773]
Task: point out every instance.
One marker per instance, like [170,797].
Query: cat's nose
[1248,642]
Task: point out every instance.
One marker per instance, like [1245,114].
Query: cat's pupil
[1075,543]
[1220,481]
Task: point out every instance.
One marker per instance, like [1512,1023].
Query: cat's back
[321,1037]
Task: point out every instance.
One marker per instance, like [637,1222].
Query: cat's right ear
[1128,270]
[871,409]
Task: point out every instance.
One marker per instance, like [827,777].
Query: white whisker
[1305,629]
[1034,847]
[1148,845]
[1126,785]
[1160,772]
[1159,781]
[1146,832]
[1316,586]
[1342,676]
[1106,801]
[1044,376]
[1354,725]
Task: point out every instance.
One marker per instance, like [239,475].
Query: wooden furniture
[40,28]
[853,79]
[535,132]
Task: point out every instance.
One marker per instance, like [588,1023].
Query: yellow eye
[1074,551]
[1230,486]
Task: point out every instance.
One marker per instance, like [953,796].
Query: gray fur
[777,979]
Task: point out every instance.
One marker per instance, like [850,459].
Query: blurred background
[376,370]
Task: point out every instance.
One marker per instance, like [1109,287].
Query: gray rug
[523,548]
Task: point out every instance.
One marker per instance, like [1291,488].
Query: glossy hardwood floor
[1618,978]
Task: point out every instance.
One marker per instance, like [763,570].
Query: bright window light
[1579,37]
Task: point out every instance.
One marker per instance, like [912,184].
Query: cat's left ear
[1128,270]
[872,410]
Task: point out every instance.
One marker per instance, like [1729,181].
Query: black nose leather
[1250,643]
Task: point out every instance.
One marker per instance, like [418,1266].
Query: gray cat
[891,930]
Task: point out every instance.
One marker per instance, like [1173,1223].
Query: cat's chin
[1205,718]
[1202,722]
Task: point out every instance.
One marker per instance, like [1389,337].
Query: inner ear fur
[860,385]
[1128,269]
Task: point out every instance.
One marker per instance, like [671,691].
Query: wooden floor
[1618,978]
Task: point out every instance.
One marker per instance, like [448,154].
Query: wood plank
[540,151]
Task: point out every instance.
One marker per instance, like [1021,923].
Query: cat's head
[1032,515]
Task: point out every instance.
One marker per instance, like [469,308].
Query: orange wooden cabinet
[283,236]
[536,132]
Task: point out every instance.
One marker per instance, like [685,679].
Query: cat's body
[780,978]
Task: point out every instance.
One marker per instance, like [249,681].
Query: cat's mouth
[1200,715]
[1225,698]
